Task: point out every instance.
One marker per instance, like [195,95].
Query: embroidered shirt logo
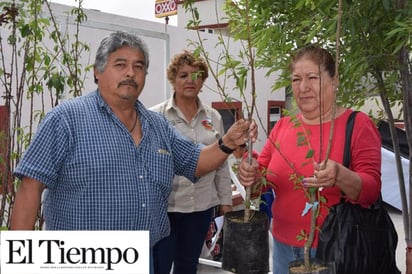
[207,124]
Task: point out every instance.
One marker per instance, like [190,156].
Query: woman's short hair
[186,58]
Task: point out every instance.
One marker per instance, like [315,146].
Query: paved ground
[400,251]
[209,267]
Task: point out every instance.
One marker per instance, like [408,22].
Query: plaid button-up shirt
[96,177]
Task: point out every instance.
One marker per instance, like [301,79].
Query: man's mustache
[129,82]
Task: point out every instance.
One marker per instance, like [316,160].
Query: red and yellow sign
[165,8]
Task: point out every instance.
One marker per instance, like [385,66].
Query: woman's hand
[225,209]
[324,175]
[248,174]
[333,174]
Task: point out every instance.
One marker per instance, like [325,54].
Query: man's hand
[239,133]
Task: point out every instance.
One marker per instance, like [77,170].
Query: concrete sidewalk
[210,267]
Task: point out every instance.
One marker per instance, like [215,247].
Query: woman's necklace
[134,125]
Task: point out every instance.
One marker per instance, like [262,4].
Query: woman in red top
[297,147]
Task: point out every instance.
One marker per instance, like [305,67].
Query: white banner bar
[74,252]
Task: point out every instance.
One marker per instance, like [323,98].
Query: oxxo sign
[165,8]
[80,252]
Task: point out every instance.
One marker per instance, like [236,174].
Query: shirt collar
[171,104]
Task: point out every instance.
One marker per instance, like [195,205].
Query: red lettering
[165,7]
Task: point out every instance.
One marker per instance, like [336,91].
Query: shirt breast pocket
[160,167]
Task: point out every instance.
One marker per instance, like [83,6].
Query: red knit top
[290,201]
